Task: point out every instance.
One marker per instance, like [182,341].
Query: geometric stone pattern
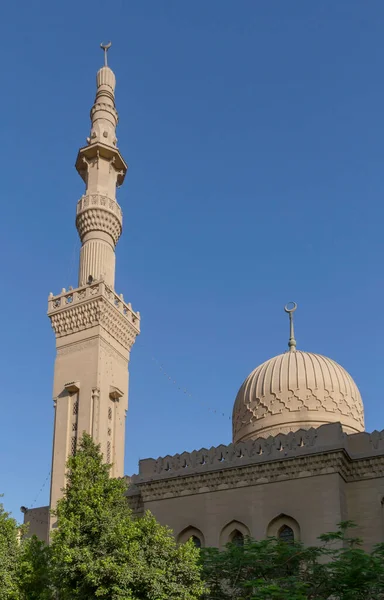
[315,452]
[92,305]
[98,212]
[296,388]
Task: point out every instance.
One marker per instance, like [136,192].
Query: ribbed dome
[296,390]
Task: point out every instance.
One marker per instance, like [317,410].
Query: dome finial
[105,47]
[290,309]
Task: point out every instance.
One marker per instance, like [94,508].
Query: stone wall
[327,438]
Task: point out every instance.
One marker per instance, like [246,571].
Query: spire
[290,309]
[106,47]
[102,168]
[104,115]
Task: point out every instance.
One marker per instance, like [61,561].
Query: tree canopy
[9,551]
[100,551]
[336,569]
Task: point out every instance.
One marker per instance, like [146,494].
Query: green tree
[34,576]
[99,551]
[9,556]
[271,569]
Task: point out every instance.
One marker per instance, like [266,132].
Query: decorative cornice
[259,474]
[106,108]
[97,212]
[329,437]
[99,150]
[99,200]
[90,306]
[335,462]
[298,454]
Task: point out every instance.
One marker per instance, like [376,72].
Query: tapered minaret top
[101,166]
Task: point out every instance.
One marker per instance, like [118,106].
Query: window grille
[110,413]
[109,452]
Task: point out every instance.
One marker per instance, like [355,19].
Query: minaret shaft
[99,218]
[95,329]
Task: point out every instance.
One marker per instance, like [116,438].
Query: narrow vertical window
[196,541]
[237,538]
[286,534]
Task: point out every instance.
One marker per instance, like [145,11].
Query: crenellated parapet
[90,306]
[326,450]
[324,439]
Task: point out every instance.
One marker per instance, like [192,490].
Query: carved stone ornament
[99,213]
[100,306]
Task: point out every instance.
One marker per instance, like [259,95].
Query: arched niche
[231,533]
[284,528]
[194,533]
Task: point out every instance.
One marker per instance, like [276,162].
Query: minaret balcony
[95,304]
[100,150]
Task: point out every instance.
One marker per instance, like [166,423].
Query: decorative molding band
[300,443]
[258,474]
[106,108]
[90,306]
[99,200]
[241,477]
[96,212]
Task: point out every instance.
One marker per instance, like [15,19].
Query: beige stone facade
[308,480]
[300,461]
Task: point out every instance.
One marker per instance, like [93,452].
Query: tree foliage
[34,577]
[9,556]
[336,569]
[100,551]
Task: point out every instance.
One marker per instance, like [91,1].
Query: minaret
[95,329]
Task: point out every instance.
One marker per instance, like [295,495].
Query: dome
[296,390]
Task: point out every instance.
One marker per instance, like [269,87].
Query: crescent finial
[105,47]
[290,309]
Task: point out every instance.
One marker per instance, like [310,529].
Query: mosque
[300,461]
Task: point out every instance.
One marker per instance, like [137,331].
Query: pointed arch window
[284,528]
[196,541]
[191,533]
[286,534]
[237,538]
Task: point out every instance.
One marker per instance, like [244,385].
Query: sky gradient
[254,137]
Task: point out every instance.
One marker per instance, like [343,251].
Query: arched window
[286,534]
[191,533]
[237,538]
[284,528]
[234,532]
[196,541]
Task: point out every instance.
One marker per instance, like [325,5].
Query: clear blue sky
[254,135]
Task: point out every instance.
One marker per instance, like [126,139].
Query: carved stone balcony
[92,305]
